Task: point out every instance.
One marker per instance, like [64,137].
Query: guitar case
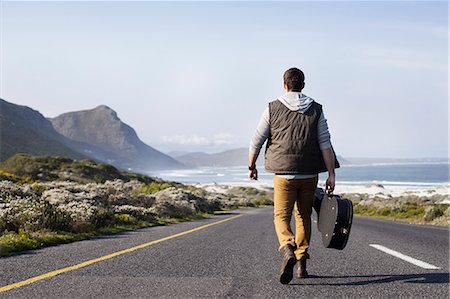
[335,216]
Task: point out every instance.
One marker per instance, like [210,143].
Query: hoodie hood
[296,101]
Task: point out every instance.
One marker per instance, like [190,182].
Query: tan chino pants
[290,195]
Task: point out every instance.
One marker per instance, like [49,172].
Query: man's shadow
[374,279]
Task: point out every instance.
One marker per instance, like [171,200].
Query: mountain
[234,157]
[175,154]
[102,128]
[24,130]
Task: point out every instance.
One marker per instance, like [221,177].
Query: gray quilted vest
[293,145]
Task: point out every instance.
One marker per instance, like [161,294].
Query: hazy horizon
[346,157]
[196,76]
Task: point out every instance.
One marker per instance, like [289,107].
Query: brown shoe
[301,269]
[287,264]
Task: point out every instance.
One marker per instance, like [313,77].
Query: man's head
[294,79]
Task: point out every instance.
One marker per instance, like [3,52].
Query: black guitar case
[335,216]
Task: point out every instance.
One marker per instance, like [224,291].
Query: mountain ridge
[101,127]
[203,159]
[25,130]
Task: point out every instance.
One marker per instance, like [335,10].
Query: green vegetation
[263,200]
[6,176]
[157,186]
[14,242]
[23,168]
[401,212]
[405,208]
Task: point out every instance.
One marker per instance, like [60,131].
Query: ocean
[411,174]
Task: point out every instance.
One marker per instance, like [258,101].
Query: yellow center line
[105,257]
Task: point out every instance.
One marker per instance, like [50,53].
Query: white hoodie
[295,101]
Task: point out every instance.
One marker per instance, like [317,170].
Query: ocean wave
[395,164]
[394,183]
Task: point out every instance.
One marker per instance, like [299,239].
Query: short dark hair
[294,79]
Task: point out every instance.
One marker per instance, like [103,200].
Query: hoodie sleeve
[261,133]
[323,133]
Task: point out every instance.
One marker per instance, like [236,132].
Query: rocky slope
[102,128]
[234,157]
[24,130]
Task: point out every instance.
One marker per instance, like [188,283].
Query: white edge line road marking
[404,257]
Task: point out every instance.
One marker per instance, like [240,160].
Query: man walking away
[298,149]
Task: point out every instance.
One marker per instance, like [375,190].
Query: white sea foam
[392,183]
[394,164]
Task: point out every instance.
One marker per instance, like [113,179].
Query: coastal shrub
[10,191]
[173,209]
[447,212]
[86,215]
[245,191]
[46,168]
[244,202]
[197,191]
[173,202]
[219,201]
[19,213]
[364,210]
[31,214]
[434,212]
[263,200]
[139,213]
[385,211]
[410,213]
[125,219]
[54,218]
[6,176]
[154,187]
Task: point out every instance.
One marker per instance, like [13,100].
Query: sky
[196,76]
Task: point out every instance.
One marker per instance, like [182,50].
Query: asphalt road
[236,258]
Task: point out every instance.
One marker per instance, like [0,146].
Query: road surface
[234,255]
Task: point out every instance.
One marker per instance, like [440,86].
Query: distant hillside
[24,130]
[102,128]
[234,157]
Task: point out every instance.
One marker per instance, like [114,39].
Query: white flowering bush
[75,207]
[30,213]
[140,213]
[86,214]
[175,202]
[10,190]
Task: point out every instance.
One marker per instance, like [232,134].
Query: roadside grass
[13,243]
[437,214]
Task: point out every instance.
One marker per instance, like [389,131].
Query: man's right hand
[330,183]
[253,174]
